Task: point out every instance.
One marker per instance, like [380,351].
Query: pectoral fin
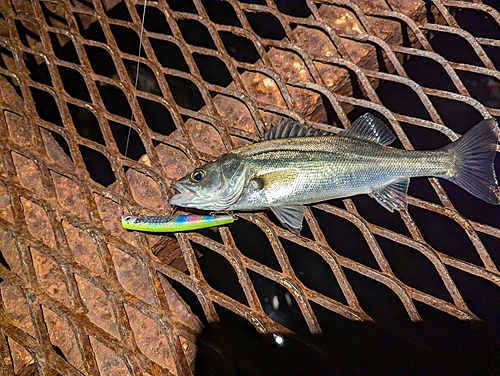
[290,216]
[392,196]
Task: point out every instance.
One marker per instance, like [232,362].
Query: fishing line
[136,77]
[137,68]
[136,81]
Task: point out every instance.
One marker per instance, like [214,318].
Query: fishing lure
[169,223]
[174,223]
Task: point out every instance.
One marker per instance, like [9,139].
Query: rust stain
[28,173]
[21,358]
[107,360]
[133,275]
[69,195]
[16,308]
[63,337]
[83,248]
[150,339]
[50,277]
[99,309]
[38,222]
[146,191]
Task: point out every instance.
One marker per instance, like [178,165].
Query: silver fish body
[298,166]
[313,169]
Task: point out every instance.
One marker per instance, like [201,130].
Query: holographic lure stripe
[174,223]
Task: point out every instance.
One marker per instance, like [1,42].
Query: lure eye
[197,175]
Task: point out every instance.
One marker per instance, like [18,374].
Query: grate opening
[221,13]
[185,92]
[119,12]
[114,100]
[127,39]
[213,266]
[182,6]
[60,141]
[449,241]
[373,213]
[38,72]
[455,48]
[101,61]
[123,133]
[196,34]
[239,47]
[50,15]
[481,87]
[423,276]
[265,25]
[494,54]
[408,103]
[278,303]
[64,48]
[313,271]
[169,55]
[294,8]
[377,299]
[146,78]
[86,123]
[346,239]
[91,29]
[154,20]
[26,33]
[471,19]
[483,303]
[97,165]
[213,70]
[453,112]
[153,111]
[74,84]
[491,242]
[46,106]
[429,73]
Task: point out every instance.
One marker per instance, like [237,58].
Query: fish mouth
[183,197]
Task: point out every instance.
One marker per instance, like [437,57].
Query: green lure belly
[174,223]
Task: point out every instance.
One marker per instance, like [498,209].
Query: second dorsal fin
[288,128]
[368,128]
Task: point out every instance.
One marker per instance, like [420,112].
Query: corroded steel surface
[80,295]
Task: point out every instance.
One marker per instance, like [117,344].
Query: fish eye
[197,175]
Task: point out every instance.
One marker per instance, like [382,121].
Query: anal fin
[393,195]
[291,216]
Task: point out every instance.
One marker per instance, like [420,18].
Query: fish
[174,223]
[295,165]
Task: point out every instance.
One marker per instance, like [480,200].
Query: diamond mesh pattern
[81,295]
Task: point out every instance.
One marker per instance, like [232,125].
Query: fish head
[215,186]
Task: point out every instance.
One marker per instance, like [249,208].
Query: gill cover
[236,176]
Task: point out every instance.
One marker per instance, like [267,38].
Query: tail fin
[474,157]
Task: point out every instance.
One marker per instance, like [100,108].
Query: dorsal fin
[288,128]
[368,128]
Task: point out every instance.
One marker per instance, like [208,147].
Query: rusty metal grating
[81,295]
